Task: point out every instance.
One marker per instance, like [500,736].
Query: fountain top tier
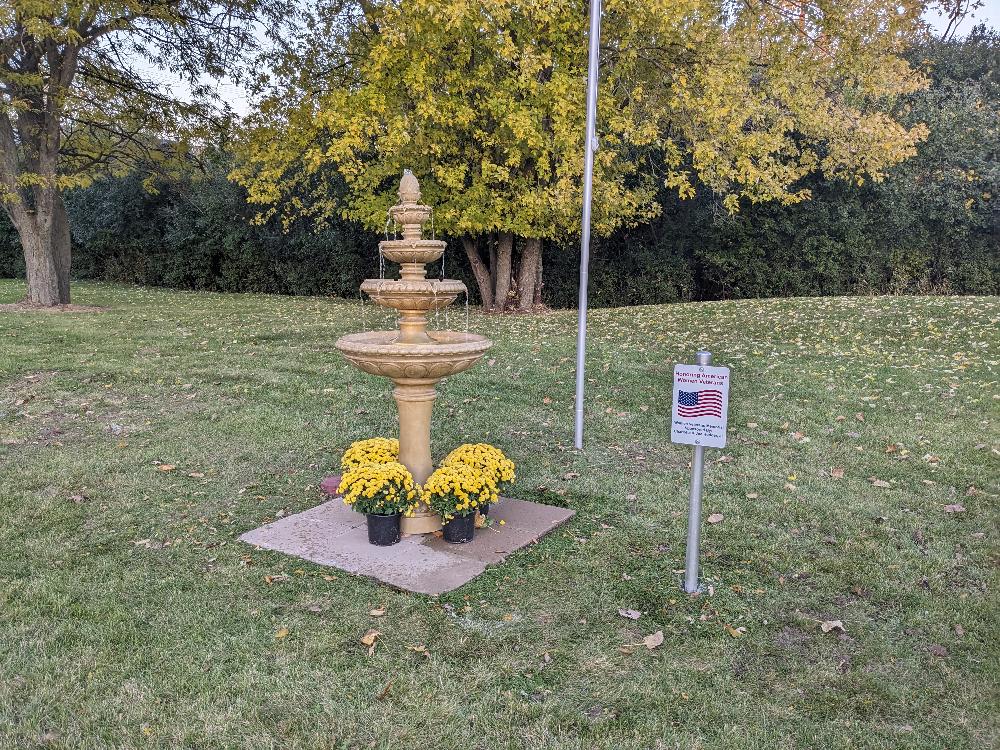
[412,252]
[413,294]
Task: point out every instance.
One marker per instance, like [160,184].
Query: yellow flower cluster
[458,490]
[484,458]
[371,451]
[383,488]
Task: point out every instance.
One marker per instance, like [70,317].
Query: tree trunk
[505,255]
[480,271]
[538,281]
[40,263]
[527,278]
[61,247]
[45,241]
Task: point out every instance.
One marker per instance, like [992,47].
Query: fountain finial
[409,188]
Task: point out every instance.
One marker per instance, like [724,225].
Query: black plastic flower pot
[383,530]
[460,529]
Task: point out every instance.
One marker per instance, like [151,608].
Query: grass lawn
[860,485]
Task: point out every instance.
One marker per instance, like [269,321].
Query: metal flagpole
[590,146]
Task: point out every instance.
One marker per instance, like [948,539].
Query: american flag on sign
[699,404]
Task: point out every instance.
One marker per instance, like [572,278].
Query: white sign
[701,405]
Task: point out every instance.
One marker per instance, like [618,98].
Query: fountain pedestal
[414,358]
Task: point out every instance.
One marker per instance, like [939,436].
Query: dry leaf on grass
[829,625]
[715,518]
[378,612]
[166,467]
[282,633]
[631,614]
[369,639]
[837,472]
[736,632]
[878,482]
[954,508]
[653,640]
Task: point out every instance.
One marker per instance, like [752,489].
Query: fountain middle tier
[382,353]
[413,294]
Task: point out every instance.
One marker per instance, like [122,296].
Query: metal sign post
[699,417]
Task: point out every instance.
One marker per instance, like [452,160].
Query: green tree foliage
[926,228]
[485,102]
[75,102]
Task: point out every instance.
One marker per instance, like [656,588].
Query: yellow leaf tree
[485,101]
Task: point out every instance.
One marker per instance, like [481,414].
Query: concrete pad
[334,535]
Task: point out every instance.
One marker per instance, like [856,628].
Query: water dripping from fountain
[437,322]
[466,314]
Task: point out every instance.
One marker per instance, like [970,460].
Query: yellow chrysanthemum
[383,488]
[457,489]
[488,460]
[370,451]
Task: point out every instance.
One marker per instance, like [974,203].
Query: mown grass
[131,617]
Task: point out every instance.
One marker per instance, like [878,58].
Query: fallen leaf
[282,633]
[653,640]
[196,474]
[384,691]
[954,508]
[736,632]
[828,625]
[860,417]
[715,518]
[752,496]
[938,650]
[959,631]
[631,614]
[369,639]
[420,649]
[166,467]
[837,472]
[377,612]
[571,475]
[879,482]
[546,400]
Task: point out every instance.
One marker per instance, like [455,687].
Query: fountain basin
[381,353]
[417,295]
[411,250]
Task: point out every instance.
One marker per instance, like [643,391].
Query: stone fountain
[414,358]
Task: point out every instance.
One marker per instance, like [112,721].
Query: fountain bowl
[418,295]
[380,353]
[411,251]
